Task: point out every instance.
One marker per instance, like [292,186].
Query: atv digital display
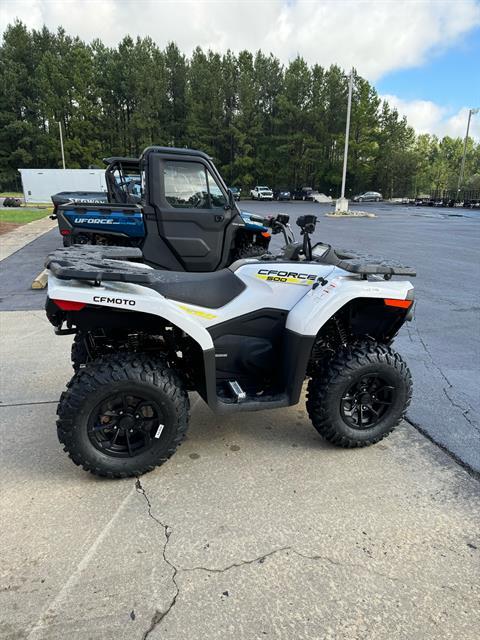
[319,250]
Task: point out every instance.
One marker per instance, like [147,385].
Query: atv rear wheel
[122,416]
[361,396]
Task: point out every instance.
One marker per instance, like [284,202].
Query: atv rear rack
[97,263]
[366,265]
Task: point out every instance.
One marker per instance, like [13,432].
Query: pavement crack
[351,565]
[449,385]
[158,616]
[319,557]
[428,352]
[465,412]
[242,563]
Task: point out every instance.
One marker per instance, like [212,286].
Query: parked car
[302,193]
[261,193]
[236,192]
[368,196]
[282,194]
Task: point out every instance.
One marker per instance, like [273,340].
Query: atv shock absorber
[342,334]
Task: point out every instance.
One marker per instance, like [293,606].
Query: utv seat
[211,290]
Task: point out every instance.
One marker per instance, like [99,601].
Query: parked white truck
[261,193]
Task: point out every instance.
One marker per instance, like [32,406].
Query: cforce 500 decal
[121,301]
[287,277]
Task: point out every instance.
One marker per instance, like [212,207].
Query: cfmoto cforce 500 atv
[245,338]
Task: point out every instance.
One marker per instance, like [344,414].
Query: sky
[423,56]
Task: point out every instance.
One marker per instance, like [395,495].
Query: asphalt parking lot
[256,527]
[442,344]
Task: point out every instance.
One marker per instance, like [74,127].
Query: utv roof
[133,162]
[174,151]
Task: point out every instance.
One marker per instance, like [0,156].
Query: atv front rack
[364,264]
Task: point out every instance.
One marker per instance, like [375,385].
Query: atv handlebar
[281,224]
[307,225]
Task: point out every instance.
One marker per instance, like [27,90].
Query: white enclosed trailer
[39,185]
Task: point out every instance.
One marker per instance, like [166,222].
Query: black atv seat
[96,264]
[211,290]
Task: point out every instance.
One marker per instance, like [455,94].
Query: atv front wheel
[249,251]
[122,416]
[361,396]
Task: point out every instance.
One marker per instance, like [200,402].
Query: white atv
[245,338]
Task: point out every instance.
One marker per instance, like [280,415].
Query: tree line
[261,121]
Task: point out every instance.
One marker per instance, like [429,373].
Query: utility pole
[61,143]
[342,202]
[462,166]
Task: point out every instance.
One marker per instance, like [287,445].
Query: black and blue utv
[173,204]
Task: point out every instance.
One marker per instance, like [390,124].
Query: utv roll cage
[118,176]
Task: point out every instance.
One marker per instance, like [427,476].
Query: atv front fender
[311,313]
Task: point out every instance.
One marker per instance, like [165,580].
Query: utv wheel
[249,251]
[122,417]
[361,397]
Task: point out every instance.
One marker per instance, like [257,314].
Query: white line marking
[83,564]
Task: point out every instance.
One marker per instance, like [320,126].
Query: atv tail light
[65,232]
[393,302]
[70,305]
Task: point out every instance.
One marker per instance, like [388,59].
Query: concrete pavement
[255,528]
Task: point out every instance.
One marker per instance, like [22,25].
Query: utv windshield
[190,185]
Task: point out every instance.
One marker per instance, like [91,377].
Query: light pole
[342,202]
[61,143]
[471,112]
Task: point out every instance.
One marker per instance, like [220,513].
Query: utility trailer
[471,199]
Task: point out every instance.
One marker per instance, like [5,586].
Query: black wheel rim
[367,401]
[124,425]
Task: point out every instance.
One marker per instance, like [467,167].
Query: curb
[351,214]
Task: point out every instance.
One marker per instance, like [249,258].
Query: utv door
[190,208]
